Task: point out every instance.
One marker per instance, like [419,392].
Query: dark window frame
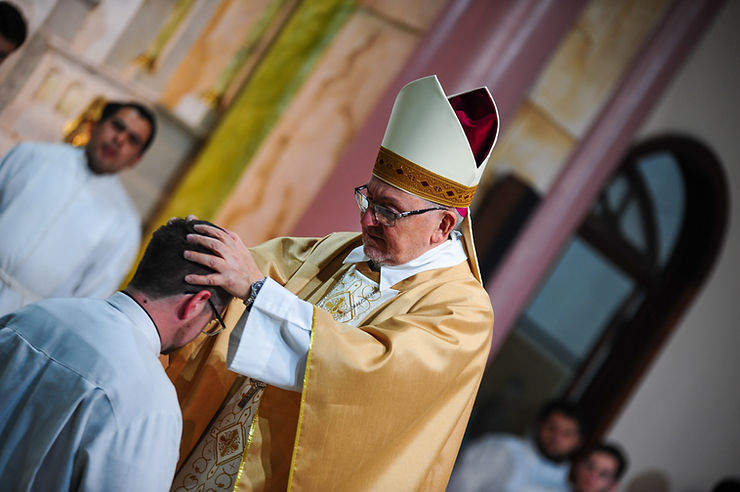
[626,348]
[669,293]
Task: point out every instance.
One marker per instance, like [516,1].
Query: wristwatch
[253,291]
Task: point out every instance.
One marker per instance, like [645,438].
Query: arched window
[617,291]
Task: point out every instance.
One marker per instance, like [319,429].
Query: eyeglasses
[217,325]
[383,215]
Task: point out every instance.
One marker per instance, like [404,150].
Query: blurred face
[6,47]
[595,473]
[117,143]
[410,236]
[558,436]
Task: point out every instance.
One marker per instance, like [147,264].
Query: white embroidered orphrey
[354,297]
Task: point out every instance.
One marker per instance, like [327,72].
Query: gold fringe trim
[256,388]
[402,173]
[246,450]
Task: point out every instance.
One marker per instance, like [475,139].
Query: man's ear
[444,227]
[193,305]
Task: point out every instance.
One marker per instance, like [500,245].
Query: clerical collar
[447,254]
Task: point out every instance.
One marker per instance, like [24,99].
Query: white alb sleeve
[270,342]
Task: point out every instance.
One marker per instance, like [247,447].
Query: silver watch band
[253,291]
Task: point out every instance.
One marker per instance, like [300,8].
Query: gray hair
[458,218]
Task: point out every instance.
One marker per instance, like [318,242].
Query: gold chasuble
[384,405]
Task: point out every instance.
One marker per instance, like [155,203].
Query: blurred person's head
[12,29]
[559,430]
[599,469]
[119,139]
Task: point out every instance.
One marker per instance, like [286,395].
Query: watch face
[256,286]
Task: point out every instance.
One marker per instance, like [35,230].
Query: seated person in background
[506,463]
[75,230]
[12,29]
[84,401]
[599,469]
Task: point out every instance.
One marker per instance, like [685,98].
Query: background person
[84,401]
[75,231]
[507,463]
[12,29]
[599,469]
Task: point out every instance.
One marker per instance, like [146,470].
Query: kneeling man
[84,401]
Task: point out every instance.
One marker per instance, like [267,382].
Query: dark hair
[12,23]
[565,407]
[113,107]
[727,485]
[615,452]
[162,269]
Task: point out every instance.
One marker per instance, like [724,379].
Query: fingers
[234,267]
[232,235]
[216,246]
[213,262]
[236,284]
[211,279]
[189,218]
[211,231]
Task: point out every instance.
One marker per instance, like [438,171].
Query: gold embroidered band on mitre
[402,173]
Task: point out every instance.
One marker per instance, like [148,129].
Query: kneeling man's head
[180,311]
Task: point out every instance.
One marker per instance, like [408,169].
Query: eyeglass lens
[382,215]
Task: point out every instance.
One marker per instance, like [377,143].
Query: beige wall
[683,422]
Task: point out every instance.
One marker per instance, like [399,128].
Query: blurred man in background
[71,229]
[507,463]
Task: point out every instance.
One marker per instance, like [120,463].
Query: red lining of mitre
[477,114]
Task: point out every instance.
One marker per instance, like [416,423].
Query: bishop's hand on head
[234,267]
